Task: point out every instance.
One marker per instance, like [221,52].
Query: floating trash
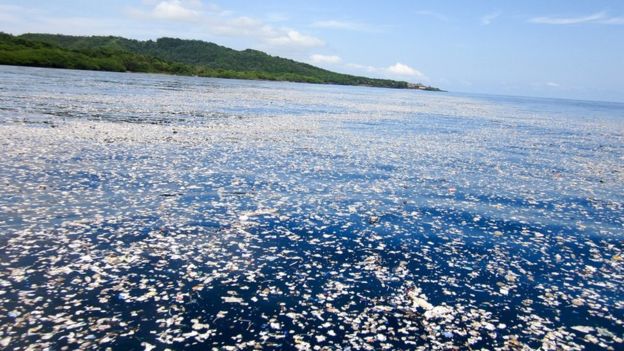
[155,212]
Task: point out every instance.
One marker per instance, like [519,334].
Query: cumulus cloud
[169,10]
[398,70]
[211,19]
[183,18]
[320,59]
[174,10]
[598,17]
[404,70]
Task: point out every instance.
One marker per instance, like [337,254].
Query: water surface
[142,211]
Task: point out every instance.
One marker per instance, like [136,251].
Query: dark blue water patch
[293,259]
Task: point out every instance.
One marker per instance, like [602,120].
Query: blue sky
[557,48]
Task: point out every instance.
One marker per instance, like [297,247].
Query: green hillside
[24,52]
[167,55]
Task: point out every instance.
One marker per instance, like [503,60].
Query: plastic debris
[153,212]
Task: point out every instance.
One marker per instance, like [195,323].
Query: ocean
[144,211]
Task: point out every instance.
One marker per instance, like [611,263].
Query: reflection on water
[142,211]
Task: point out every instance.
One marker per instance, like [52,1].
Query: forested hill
[168,55]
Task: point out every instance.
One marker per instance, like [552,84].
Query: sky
[557,48]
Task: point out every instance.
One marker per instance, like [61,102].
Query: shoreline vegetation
[171,56]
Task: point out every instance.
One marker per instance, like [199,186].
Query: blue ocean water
[150,211]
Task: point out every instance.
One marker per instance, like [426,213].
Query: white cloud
[598,17]
[212,20]
[398,70]
[343,25]
[489,18]
[19,20]
[154,18]
[404,70]
[321,59]
[175,10]
[369,69]
[294,38]
[569,20]
[553,84]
